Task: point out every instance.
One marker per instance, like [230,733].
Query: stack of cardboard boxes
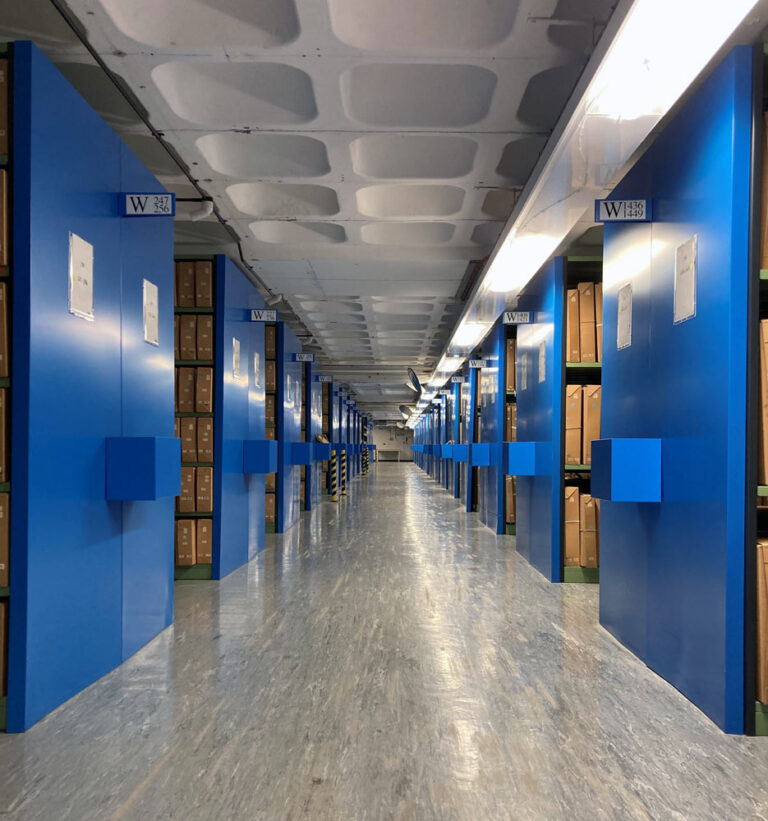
[270,406]
[762,621]
[582,422]
[304,428]
[582,529]
[326,428]
[510,426]
[194,410]
[584,326]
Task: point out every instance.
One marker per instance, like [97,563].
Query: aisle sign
[304,357]
[148,205]
[324,378]
[517,317]
[263,316]
[475,364]
[622,210]
[458,380]
[445,392]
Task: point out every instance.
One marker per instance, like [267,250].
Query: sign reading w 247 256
[148,205]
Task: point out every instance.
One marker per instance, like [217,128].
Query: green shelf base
[5,592]
[179,309]
[194,515]
[5,487]
[581,575]
[577,468]
[761,718]
[270,425]
[5,382]
[190,363]
[764,274]
[583,365]
[762,490]
[195,414]
[3,712]
[270,527]
[510,530]
[196,464]
[193,572]
[5,271]
[3,159]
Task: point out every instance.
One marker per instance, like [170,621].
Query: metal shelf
[188,363]
[179,309]
[581,575]
[583,365]
[197,514]
[577,468]
[762,490]
[192,572]
[195,414]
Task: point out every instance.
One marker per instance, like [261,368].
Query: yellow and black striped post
[365,460]
[343,473]
[334,477]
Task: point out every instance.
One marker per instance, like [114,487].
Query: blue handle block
[259,456]
[298,453]
[446,451]
[480,454]
[417,448]
[321,451]
[527,458]
[370,447]
[142,468]
[461,453]
[627,470]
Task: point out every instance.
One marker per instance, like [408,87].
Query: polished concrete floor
[388,658]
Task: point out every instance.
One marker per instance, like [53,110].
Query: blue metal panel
[142,468]
[147,410]
[68,540]
[288,404]
[492,400]
[672,575]
[239,417]
[539,418]
[259,456]
[527,458]
[626,470]
[314,488]
[456,436]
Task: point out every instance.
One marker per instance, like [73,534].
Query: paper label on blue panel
[80,277]
[685,281]
[257,369]
[151,312]
[524,372]
[624,320]
[542,362]
[235,358]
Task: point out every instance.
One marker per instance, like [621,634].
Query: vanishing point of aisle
[394,659]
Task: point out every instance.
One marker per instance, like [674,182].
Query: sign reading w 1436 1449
[623,211]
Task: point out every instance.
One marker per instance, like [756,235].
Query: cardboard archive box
[509,371]
[187,336]
[572,346]
[185,502]
[573,424]
[510,422]
[588,532]
[4,413]
[185,284]
[204,490]
[204,541]
[5,540]
[203,284]
[509,500]
[186,548]
[587,340]
[571,514]
[188,430]
[269,508]
[270,375]
[204,390]
[270,341]
[590,420]
[205,337]
[185,390]
[599,319]
[205,440]
[4,221]
[763,424]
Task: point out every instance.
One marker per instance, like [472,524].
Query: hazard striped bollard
[334,477]
[343,472]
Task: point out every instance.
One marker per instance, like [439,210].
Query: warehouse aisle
[392,659]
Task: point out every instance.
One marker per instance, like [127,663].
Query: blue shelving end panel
[238,418]
[321,451]
[142,468]
[298,453]
[627,470]
[492,399]
[288,405]
[672,575]
[260,456]
[527,458]
[446,451]
[540,375]
[480,454]
[461,453]
[314,486]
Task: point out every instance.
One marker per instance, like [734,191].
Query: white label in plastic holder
[458,380]
[445,392]
[151,312]
[257,369]
[80,277]
[149,205]
[304,357]
[263,316]
[235,358]
[624,319]
[542,362]
[685,281]
[622,210]
[517,317]
[476,363]
[324,378]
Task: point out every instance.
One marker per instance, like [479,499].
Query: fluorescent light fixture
[468,334]
[517,261]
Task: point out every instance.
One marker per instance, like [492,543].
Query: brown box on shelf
[177,427]
[303,493]
[187,336]
[572,346]
[510,422]
[205,337]
[509,371]
[588,527]
[4,105]
[326,423]
[586,302]
[324,465]
[269,508]
[204,440]
[573,423]
[509,500]
[204,490]
[571,519]
[270,375]
[4,358]
[764,198]
[186,390]
[203,284]
[599,319]
[591,420]
[763,426]
[188,428]
[270,341]
[762,621]
[5,540]
[176,336]
[186,547]
[270,482]
[4,221]
[269,409]
[4,413]
[185,502]
[204,541]
[185,284]
[3,645]
[587,339]
[270,434]
[204,390]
